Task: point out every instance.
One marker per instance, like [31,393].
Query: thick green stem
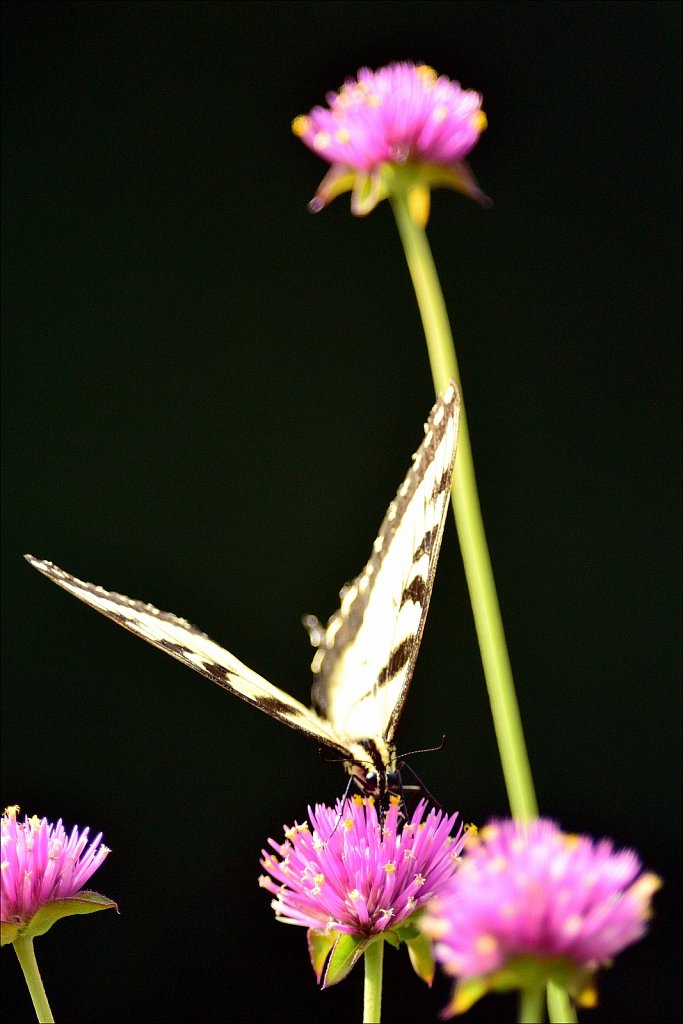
[531,1008]
[475,554]
[560,1008]
[29,965]
[372,994]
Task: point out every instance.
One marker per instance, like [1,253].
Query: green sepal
[368,190]
[319,946]
[420,953]
[338,179]
[407,930]
[9,932]
[85,902]
[527,973]
[346,952]
[416,179]
[419,949]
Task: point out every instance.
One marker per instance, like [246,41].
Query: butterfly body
[366,654]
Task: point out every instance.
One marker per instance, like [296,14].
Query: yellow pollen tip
[395,800]
[300,125]
[588,998]
[342,135]
[645,886]
[480,121]
[425,73]
[390,868]
[348,824]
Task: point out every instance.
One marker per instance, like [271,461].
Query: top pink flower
[401,115]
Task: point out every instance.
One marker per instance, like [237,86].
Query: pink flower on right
[530,903]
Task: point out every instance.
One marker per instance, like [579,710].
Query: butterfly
[366,654]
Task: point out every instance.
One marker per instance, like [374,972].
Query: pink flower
[348,875]
[42,865]
[343,875]
[530,901]
[402,117]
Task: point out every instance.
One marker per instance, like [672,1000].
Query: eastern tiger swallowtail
[366,654]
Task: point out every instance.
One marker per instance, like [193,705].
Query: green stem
[531,1006]
[560,1008]
[29,965]
[372,993]
[475,554]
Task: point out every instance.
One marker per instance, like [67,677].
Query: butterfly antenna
[330,760]
[425,750]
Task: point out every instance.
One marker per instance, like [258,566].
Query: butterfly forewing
[367,654]
[195,649]
[366,658]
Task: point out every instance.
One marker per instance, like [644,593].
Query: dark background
[210,397]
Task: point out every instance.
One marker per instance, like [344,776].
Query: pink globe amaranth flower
[43,867]
[530,904]
[343,875]
[400,126]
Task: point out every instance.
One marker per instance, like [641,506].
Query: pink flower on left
[43,874]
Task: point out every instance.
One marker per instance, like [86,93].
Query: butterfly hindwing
[366,657]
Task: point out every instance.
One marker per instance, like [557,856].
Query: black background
[210,397]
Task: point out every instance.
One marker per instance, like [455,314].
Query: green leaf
[345,954]
[85,902]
